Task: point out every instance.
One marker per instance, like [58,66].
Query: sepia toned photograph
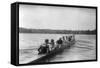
[50,34]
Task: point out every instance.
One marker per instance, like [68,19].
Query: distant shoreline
[49,31]
[55,33]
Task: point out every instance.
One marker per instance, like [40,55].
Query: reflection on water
[83,49]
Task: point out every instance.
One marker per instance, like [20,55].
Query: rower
[59,42]
[47,45]
[69,38]
[44,48]
[52,44]
[64,40]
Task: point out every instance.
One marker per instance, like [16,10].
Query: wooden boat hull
[53,52]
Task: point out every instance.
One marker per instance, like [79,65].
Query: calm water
[83,49]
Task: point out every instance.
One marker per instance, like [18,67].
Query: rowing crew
[49,46]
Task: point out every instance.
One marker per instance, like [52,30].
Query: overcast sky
[61,18]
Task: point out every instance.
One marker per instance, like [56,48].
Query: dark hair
[63,37]
[60,39]
[52,40]
[46,40]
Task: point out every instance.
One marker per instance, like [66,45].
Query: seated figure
[44,48]
[52,44]
[59,42]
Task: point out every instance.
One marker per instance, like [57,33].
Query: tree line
[25,30]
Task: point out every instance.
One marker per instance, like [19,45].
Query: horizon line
[56,29]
